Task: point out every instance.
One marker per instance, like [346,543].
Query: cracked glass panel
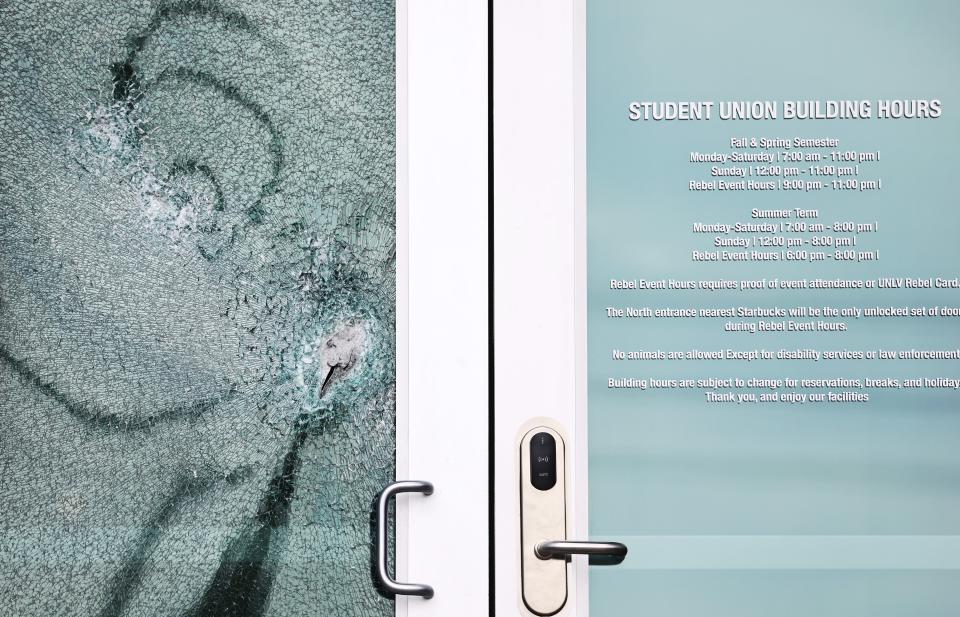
[197,292]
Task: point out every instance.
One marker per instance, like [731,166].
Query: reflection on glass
[196,306]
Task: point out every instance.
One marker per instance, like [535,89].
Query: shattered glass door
[197,292]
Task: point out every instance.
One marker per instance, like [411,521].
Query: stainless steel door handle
[545,552]
[601,553]
[383,575]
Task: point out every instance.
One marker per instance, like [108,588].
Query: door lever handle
[601,553]
[383,575]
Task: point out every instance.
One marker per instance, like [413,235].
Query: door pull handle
[601,553]
[382,574]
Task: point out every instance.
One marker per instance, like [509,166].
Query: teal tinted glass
[780,502]
[197,291]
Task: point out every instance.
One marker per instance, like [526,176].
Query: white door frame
[539,262]
[442,300]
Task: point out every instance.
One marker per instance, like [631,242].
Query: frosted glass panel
[823,482]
